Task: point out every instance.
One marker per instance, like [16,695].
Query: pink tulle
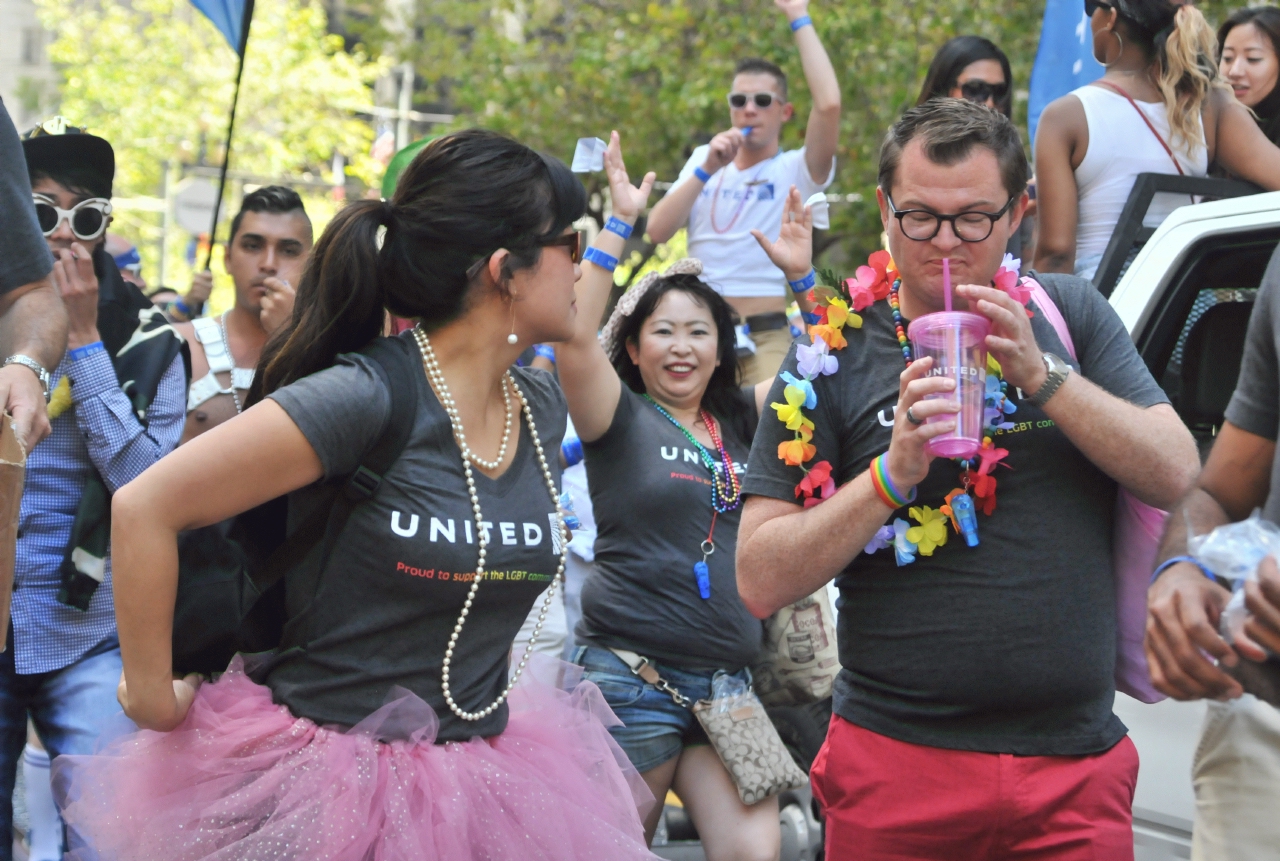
[243,779]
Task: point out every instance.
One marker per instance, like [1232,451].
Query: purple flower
[815,358]
[883,538]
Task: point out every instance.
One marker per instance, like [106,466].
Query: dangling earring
[1103,61]
[513,339]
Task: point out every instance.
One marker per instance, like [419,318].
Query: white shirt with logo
[732,204]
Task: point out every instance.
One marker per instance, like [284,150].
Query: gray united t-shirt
[1008,647]
[24,255]
[652,499]
[387,602]
[1255,406]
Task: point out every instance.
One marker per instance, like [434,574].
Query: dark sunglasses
[88,218]
[573,241]
[762,100]
[979,91]
[1091,6]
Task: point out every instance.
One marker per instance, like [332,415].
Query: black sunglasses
[762,100]
[980,91]
[573,241]
[1091,6]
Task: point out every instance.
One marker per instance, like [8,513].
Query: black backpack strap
[396,361]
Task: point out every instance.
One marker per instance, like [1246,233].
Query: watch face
[1056,365]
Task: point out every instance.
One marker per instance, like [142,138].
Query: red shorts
[887,800]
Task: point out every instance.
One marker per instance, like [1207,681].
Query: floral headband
[627,304]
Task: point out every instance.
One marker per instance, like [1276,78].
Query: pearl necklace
[436,378]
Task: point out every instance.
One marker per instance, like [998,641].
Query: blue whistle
[904,551]
[967,517]
[703,575]
[566,511]
[746,131]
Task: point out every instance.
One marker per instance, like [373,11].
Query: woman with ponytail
[383,726]
[1161,107]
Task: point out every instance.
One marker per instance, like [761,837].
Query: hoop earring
[1103,61]
[513,338]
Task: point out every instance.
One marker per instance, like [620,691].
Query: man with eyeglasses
[33,325]
[116,408]
[973,710]
[738,183]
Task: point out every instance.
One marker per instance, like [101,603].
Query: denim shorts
[655,729]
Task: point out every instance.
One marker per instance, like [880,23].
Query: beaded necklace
[721,500]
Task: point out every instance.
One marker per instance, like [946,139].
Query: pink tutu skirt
[241,778]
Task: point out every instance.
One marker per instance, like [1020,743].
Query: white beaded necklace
[436,378]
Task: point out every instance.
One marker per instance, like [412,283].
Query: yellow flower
[60,400]
[932,531]
[791,413]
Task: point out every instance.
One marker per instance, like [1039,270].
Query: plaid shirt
[99,431]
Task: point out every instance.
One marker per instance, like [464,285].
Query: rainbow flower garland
[837,306]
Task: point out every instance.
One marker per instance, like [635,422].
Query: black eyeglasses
[88,218]
[762,100]
[1091,6]
[922,224]
[573,241]
[980,91]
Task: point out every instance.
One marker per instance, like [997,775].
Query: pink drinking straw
[946,281]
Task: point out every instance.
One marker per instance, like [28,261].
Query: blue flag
[227,16]
[1065,59]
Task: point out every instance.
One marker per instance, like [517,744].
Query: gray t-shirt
[1008,647]
[651,495]
[24,255]
[384,607]
[1255,406]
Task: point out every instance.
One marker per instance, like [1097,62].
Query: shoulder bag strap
[396,366]
[1051,313]
[1147,120]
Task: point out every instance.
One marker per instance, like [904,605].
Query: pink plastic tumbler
[956,340]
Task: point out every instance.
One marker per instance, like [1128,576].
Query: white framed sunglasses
[87,219]
[738,101]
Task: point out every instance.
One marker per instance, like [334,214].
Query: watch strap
[1052,382]
[38,369]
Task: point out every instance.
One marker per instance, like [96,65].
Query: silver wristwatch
[1058,371]
[36,368]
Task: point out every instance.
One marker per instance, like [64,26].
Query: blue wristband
[87,350]
[702,175]
[618,226]
[802,21]
[1169,563]
[805,284]
[571,450]
[181,306]
[546,351]
[599,258]
[810,318]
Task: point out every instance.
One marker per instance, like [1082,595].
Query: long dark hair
[951,60]
[1267,20]
[463,197]
[723,398]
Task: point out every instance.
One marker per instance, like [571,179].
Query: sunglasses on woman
[980,91]
[1091,6]
[88,218]
[738,101]
[573,241]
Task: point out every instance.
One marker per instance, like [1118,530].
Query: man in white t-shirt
[739,183]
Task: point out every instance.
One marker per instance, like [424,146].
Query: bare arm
[32,323]
[1148,451]
[823,131]
[590,384]
[1240,145]
[239,464]
[1057,197]
[672,212]
[786,552]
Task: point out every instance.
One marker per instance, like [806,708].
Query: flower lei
[837,306]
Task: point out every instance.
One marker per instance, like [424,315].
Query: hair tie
[386,215]
[627,304]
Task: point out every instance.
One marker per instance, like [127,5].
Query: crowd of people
[533,537]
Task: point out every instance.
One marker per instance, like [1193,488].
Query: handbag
[1135,541]
[232,575]
[740,731]
[800,660]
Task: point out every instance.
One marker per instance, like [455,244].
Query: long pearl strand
[433,373]
[436,378]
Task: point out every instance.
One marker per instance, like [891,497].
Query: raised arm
[32,323]
[590,384]
[1057,198]
[672,212]
[823,131]
[232,468]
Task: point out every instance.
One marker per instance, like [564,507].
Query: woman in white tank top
[1092,143]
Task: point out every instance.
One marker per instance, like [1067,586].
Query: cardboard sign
[13,461]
